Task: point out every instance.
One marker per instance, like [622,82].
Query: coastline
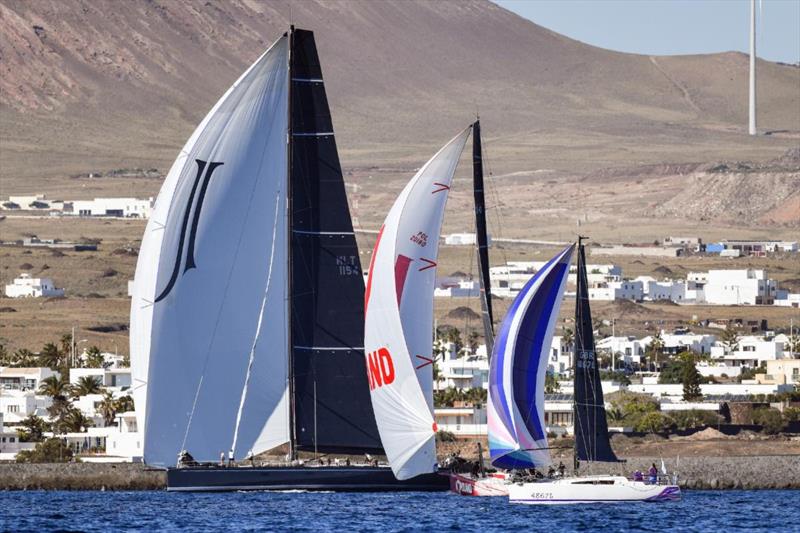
[697,472]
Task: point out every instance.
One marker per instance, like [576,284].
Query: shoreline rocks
[696,472]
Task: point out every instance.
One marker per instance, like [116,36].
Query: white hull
[590,489]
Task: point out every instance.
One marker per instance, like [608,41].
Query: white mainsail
[201,280]
[399,315]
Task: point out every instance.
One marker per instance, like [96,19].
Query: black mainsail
[482,238]
[331,407]
[591,429]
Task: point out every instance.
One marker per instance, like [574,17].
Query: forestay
[202,279]
[399,315]
[517,435]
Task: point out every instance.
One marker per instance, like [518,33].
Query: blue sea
[274,511]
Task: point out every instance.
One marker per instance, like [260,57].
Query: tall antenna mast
[753,67]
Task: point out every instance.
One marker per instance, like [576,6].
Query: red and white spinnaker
[399,315]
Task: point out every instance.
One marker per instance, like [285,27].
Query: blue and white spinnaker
[517,434]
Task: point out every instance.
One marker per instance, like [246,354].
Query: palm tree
[25,358]
[125,404]
[656,348]
[33,429]
[75,421]
[94,358]
[55,387]
[87,385]
[108,408]
[615,414]
[58,389]
[50,356]
[567,338]
[551,384]
[66,344]
[730,339]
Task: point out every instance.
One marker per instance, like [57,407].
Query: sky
[668,27]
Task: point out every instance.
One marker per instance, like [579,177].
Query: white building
[508,279]
[675,343]
[24,379]
[10,443]
[464,421]
[790,299]
[462,289]
[17,405]
[119,378]
[647,251]
[617,290]
[111,207]
[27,287]
[626,350]
[750,351]
[675,391]
[739,287]
[467,372]
[718,370]
[124,441]
[463,239]
[30,201]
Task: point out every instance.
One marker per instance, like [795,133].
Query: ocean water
[429,512]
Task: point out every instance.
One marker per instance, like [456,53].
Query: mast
[482,238]
[289,226]
[752,124]
[589,415]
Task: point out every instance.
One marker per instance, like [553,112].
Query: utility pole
[613,351]
[753,67]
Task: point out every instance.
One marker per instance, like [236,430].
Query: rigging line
[251,196]
[252,356]
[488,178]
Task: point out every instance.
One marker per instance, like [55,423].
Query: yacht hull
[308,478]
[468,485]
[591,489]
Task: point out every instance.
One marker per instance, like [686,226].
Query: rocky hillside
[102,84]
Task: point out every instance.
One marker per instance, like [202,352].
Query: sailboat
[592,442]
[248,300]
[398,329]
[517,433]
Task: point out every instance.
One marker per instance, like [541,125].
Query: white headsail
[399,315]
[201,280]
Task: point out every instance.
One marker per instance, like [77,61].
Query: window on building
[12,409]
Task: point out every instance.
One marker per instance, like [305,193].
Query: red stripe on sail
[372,264]
[400,274]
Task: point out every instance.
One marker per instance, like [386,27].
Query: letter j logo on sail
[195,219]
[380,368]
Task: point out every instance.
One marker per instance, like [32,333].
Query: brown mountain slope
[94,85]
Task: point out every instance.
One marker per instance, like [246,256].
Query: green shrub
[770,419]
[653,422]
[49,451]
[791,414]
[445,436]
[695,418]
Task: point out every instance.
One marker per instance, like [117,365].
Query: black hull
[323,478]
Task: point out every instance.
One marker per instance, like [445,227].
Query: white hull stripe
[301,232]
[330,348]
[314,134]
